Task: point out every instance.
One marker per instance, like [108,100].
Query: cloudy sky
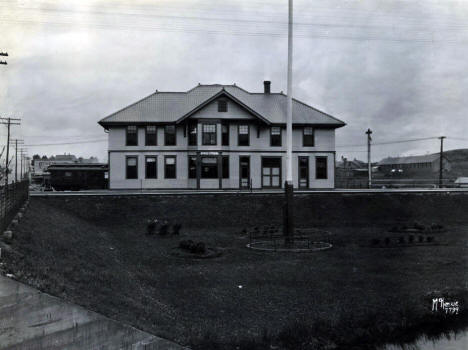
[397,67]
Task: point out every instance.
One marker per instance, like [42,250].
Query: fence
[392,183]
[11,199]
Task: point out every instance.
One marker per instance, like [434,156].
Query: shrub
[176,229]
[411,239]
[419,226]
[186,244]
[387,240]
[192,247]
[163,230]
[198,248]
[430,239]
[401,240]
[151,226]
[421,239]
[375,241]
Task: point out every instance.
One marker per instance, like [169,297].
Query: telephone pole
[8,122]
[369,164]
[4,54]
[16,156]
[441,164]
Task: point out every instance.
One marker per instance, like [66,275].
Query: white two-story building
[218,137]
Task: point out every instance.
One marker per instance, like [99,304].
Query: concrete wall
[241,210]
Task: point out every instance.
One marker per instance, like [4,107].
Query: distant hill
[458,159]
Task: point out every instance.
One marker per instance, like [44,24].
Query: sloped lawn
[348,295]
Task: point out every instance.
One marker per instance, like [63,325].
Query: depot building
[218,137]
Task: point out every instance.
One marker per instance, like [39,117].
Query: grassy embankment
[352,294]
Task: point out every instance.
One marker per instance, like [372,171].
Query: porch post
[198,169]
[220,170]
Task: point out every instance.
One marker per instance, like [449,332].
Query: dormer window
[222,106]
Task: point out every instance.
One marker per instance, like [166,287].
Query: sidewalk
[30,320]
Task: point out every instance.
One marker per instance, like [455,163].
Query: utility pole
[16,157]
[441,164]
[369,164]
[3,54]
[22,166]
[8,122]
[288,224]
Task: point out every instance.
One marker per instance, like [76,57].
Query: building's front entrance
[303,172]
[271,172]
[244,172]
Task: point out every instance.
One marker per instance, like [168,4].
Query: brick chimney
[266,86]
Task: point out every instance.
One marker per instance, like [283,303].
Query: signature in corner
[450,307]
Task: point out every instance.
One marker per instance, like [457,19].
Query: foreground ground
[31,319]
[353,291]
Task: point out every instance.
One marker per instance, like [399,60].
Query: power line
[66,143]
[391,142]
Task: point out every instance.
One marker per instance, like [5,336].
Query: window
[132,168]
[151,136]
[225,134]
[132,136]
[209,168]
[192,167]
[209,134]
[308,137]
[151,167]
[169,135]
[243,137]
[321,168]
[222,106]
[169,167]
[275,136]
[271,171]
[225,167]
[192,134]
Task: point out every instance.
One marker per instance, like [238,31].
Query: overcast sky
[397,67]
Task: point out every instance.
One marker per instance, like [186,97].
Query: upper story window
[132,168]
[132,136]
[308,137]
[222,106]
[209,134]
[192,134]
[244,135]
[151,138]
[321,168]
[170,135]
[225,134]
[275,136]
